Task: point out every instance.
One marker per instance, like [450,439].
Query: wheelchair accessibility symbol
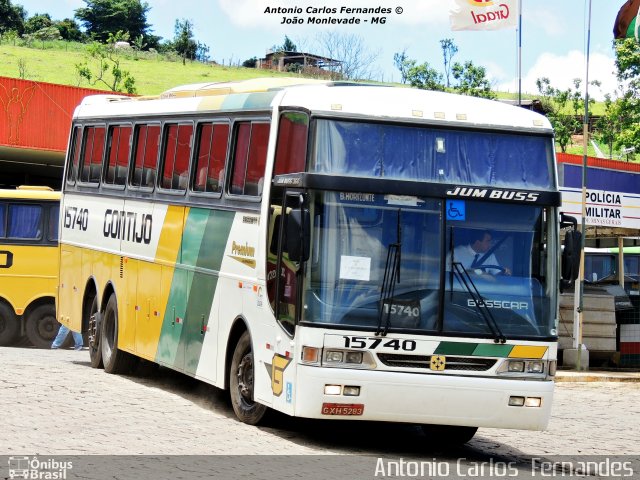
[456,210]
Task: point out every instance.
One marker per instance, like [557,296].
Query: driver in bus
[473,256]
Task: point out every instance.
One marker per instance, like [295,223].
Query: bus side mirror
[298,232]
[570,258]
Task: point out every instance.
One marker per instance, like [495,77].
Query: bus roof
[27,192]
[319,96]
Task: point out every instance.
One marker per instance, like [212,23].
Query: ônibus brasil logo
[38,469]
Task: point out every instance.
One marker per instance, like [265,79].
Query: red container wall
[598,162]
[37,115]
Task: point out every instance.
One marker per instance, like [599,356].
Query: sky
[553,35]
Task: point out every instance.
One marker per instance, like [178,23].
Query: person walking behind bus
[62,336]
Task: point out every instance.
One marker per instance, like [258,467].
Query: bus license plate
[342,408]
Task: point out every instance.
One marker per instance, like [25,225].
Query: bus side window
[52,233]
[24,221]
[74,155]
[3,220]
[91,159]
[212,152]
[250,157]
[291,148]
[177,151]
[145,161]
[117,155]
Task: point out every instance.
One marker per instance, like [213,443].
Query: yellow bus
[28,265]
[304,246]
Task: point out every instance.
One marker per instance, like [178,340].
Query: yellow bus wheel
[9,326]
[42,326]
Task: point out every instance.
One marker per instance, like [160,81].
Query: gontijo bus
[28,264]
[294,241]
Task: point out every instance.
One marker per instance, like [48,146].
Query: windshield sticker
[456,210]
[355,268]
[403,200]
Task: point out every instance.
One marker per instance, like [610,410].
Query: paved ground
[54,403]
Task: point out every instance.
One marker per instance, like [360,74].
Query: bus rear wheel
[241,383]
[93,336]
[9,326]
[42,326]
[448,435]
[114,359]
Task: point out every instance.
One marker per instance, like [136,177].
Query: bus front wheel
[9,326]
[448,435]
[241,383]
[114,359]
[42,326]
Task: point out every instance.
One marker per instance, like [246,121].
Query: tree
[183,43]
[37,22]
[103,17]
[356,61]
[403,63]
[472,80]
[556,103]
[610,124]
[69,30]
[627,53]
[288,45]
[449,49]
[46,34]
[9,36]
[107,70]
[250,63]
[202,52]
[12,17]
[425,77]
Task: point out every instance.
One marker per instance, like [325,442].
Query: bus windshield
[468,157]
[389,262]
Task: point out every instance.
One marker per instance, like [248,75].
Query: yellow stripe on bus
[527,351]
[154,283]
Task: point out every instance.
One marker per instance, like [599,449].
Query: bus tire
[114,360]
[241,383]
[42,326]
[93,334]
[9,326]
[448,435]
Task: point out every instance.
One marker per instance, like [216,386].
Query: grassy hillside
[153,73]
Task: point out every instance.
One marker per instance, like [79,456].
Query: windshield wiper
[478,301]
[390,279]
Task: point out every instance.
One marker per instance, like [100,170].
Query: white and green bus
[301,244]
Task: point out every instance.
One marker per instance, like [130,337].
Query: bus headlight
[535,366]
[516,366]
[332,356]
[353,357]
[347,358]
[524,368]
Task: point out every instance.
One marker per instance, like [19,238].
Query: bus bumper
[423,398]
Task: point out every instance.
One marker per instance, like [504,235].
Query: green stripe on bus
[174,317]
[492,350]
[205,280]
[454,348]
